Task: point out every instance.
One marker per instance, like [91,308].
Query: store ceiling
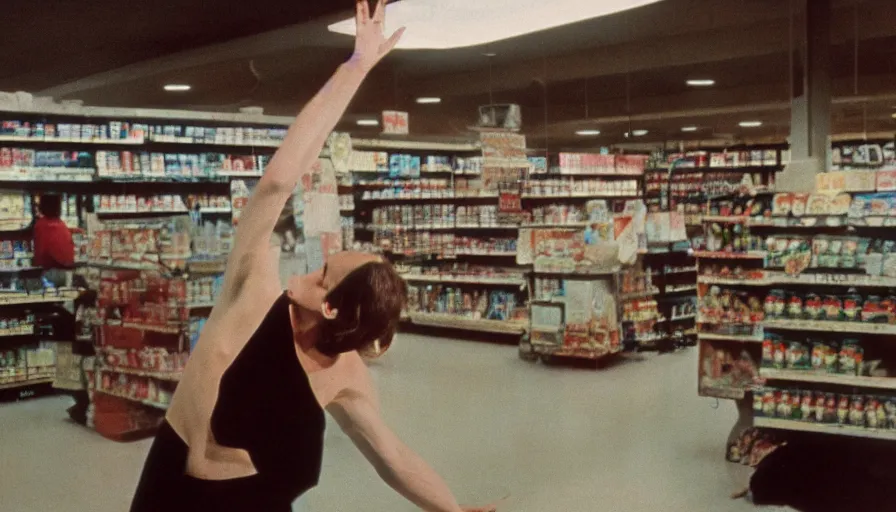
[621,72]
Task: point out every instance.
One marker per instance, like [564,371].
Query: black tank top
[266,407]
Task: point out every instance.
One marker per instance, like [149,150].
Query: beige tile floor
[634,437]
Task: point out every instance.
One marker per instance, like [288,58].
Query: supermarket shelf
[678,319]
[573,273]
[200,305]
[751,255]
[828,326]
[147,113]
[468,324]
[385,144]
[680,271]
[510,281]
[401,227]
[826,279]
[824,428]
[150,403]
[488,227]
[168,139]
[50,174]
[729,337]
[136,212]
[14,299]
[829,378]
[164,329]
[169,376]
[581,195]
[26,330]
[726,219]
[732,282]
[561,225]
[25,383]
[639,295]
[437,198]
[684,289]
[19,269]
[70,140]
[486,253]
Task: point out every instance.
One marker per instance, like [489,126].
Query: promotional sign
[503,146]
[320,222]
[396,123]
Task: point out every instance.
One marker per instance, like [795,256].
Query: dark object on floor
[826,474]
[78,412]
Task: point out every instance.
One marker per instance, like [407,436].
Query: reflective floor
[633,437]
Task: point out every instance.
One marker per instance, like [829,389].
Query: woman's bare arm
[357,413]
[302,146]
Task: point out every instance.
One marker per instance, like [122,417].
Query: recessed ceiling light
[177,87]
[443,24]
[750,124]
[639,133]
[701,82]
[489,54]
[429,101]
[588,133]
[368,122]
[689,129]
[893,115]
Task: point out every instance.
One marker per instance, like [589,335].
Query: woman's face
[310,290]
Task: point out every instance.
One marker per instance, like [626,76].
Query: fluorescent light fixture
[429,101]
[177,87]
[689,129]
[750,124]
[701,82]
[368,122]
[443,24]
[639,133]
[588,133]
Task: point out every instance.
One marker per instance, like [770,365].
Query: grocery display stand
[588,302]
[815,357]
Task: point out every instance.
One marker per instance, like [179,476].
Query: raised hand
[371,44]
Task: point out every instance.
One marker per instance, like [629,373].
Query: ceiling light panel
[588,133]
[689,129]
[177,87]
[701,82]
[368,122]
[444,24]
[750,124]
[429,101]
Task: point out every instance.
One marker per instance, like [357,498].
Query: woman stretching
[245,427]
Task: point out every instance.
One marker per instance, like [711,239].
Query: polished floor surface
[633,437]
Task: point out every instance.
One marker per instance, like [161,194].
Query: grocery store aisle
[634,437]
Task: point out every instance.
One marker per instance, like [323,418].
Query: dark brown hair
[50,206]
[369,301]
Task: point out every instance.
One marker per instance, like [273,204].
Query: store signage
[396,123]
[503,145]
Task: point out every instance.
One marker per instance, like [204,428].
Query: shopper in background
[245,427]
[54,250]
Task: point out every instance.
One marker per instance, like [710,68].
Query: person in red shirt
[53,245]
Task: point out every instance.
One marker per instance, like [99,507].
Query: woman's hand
[371,44]
[490,508]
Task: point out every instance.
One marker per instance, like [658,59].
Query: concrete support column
[811,105]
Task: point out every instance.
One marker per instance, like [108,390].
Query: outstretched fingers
[389,45]
[362,12]
[380,15]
